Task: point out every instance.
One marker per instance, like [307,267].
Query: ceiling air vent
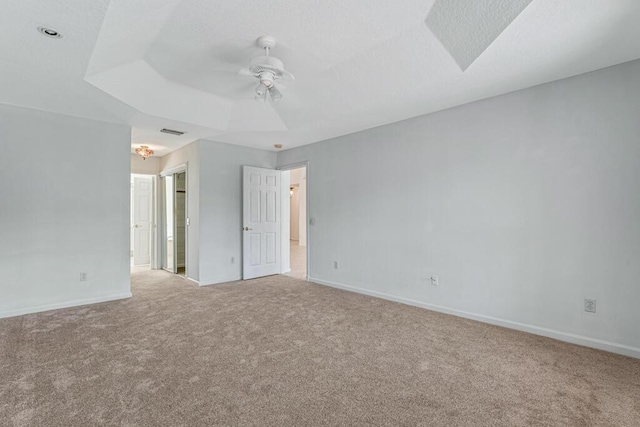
[172,132]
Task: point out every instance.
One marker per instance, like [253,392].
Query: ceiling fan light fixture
[268,70]
[262,89]
[267,79]
[275,94]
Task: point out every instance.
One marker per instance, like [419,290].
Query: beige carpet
[281,352]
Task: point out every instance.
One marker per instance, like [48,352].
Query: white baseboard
[536,330]
[219,280]
[192,280]
[66,304]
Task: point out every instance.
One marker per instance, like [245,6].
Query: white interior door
[142,190]
[261,212]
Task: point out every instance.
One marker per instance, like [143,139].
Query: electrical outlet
[83,277]
[434,280]
[589,305]
[233,260]
[335,265]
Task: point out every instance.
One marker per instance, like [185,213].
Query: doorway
[142,220]
[270,198]
[174,220]
[298,223]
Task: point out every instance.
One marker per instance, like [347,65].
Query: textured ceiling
[467,28]
[358,64]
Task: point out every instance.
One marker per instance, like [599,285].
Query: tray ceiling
[358,64]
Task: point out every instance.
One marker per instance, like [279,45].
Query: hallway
[298,261]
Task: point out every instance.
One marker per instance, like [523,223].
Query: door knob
[247,229]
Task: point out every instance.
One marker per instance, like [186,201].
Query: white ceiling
[358,63]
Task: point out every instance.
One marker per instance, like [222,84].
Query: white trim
[155,258]
[176,169]
[184,167]
[192,280]
[536,330]
[291,166]
[66,304]
[222,279]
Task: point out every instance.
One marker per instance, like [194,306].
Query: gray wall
[150,166]
[65,210]
[214,202]
[221,207]
[523,205]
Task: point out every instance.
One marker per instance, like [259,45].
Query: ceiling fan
[267,70]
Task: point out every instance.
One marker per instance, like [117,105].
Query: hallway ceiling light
[144,152]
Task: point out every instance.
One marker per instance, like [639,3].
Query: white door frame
[184,167]
[155,239]
[298,165]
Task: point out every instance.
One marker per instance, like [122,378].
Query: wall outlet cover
[590,305]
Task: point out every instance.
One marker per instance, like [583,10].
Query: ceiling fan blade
[287,76]
[235,51]
[244,72]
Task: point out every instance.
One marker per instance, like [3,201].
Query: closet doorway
[175,221]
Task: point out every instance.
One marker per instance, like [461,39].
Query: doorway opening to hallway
[275,238]
[297,223]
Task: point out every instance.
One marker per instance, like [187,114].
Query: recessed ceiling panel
[467,28]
